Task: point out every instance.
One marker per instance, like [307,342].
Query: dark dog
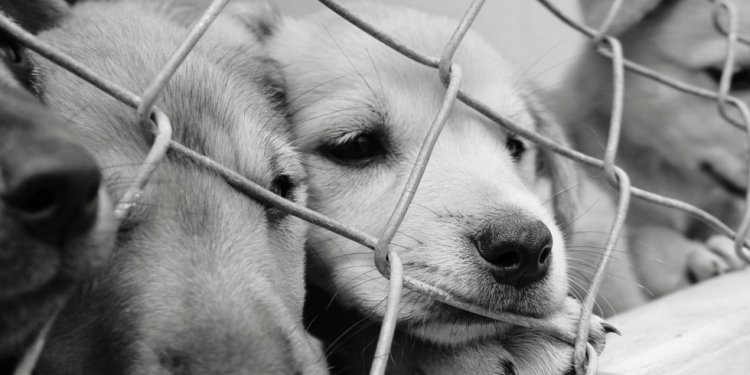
[56,224]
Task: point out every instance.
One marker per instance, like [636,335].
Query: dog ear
[630,13]
[35,15]
[561,171]
[262,18]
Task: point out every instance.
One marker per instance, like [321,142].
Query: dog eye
[516,148]
[355,150]
[283,186]
[740,78]
[12,54]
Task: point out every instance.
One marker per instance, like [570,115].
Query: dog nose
[52,187]
[520,250]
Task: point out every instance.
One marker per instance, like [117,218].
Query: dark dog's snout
[520,249]
[52,187]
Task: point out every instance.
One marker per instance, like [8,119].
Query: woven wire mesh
[387,260]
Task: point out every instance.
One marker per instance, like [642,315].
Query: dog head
[668,131]
[481,225]
[56,222]
[204,279]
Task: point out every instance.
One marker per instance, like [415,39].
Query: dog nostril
[53,189]
[37,202]
[544,255]
[92,195]
[507,259]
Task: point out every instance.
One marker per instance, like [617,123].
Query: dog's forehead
[238,127]
[349,69]
[693,24]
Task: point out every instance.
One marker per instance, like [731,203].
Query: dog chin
[460,334]
[447,325]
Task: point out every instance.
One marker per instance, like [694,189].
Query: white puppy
[482,225]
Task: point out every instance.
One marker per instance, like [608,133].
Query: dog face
[204,279]
[56,222]
[481,225]
[667,130]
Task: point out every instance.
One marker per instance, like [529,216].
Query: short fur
[39,265]
[204,279]
[343,83]
[673,143]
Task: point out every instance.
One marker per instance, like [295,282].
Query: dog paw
[487,357]
[521,351]
[723,246]
[598,327]
[715,258]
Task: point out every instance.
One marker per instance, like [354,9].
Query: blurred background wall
[522,30]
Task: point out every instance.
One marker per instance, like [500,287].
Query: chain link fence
[387,260]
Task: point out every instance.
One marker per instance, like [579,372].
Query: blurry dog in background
[672,143]
[56,223]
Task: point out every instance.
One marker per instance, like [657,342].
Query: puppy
[483,223]
[204,279]
[672,143]
[56,223]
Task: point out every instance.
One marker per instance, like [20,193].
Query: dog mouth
[517,303]
[445,323]
[727,183]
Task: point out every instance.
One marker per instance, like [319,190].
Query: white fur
[342,81]
[470,172]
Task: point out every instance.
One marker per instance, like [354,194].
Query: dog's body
[56,223]
[482,216]
[672,143]
[204,279]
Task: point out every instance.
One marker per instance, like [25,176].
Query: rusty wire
[386,259]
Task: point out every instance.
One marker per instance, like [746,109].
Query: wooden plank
[702,330]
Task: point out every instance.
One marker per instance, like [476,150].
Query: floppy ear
[35,15]
[561,171]
[630,13]
[262,18]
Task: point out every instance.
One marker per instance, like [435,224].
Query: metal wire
[162,78]
[387,260]
[614,9]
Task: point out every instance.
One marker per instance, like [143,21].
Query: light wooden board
[702,330]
